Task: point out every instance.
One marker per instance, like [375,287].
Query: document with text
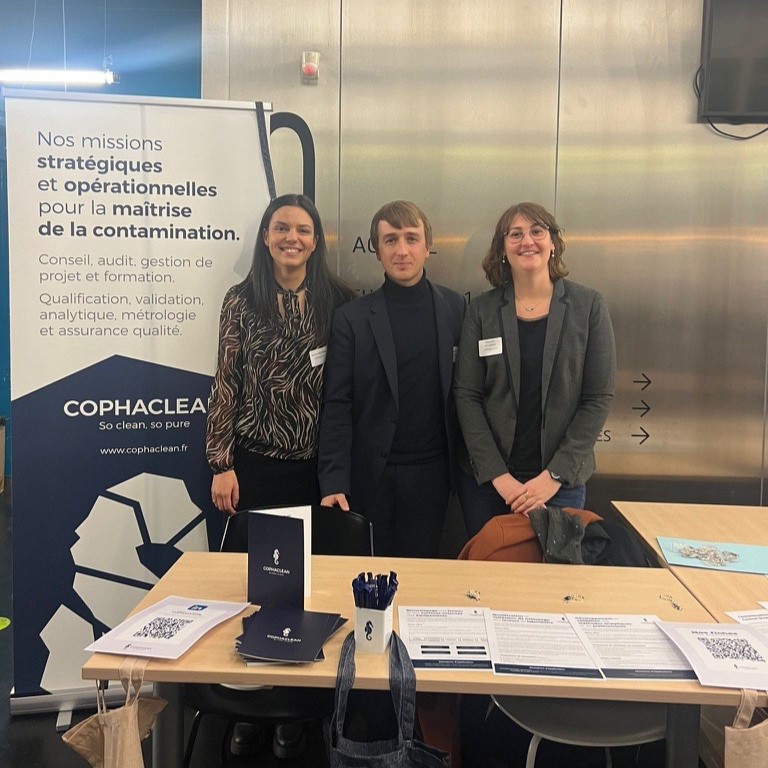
[724,655]
[757,619]
[543,644]
[631,647]
[445,638]
[167,629]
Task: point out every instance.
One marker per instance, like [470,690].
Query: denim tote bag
[400,751]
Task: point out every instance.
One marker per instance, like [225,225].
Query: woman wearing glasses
[534,375]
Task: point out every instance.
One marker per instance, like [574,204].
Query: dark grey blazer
[360,392]
[577,381]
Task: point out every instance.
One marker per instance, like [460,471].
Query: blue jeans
[479,503]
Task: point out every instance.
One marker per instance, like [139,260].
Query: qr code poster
[167,629]
[724,655]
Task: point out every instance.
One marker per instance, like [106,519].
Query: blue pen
[391,589]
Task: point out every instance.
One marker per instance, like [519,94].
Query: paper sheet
[537,644]
[167,629]
[631,646]
[723,655]
[445,638]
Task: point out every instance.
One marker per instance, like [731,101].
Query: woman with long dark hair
[263,412]
[261,440]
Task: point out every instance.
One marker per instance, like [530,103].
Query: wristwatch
[555,477]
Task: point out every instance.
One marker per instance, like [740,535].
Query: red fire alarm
[310,66]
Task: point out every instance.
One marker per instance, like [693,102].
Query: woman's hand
[535,493]
[507,487]
[225,491]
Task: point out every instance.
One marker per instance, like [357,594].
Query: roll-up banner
[129,219]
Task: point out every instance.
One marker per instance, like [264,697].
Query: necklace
[526,307]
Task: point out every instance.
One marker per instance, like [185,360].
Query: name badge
[488,347]
[317,356]
[455,352]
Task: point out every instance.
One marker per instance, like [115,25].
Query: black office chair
[334,532]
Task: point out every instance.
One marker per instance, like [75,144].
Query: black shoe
[247,739]
[289,740]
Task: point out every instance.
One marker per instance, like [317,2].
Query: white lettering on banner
[156,407]
[129,219]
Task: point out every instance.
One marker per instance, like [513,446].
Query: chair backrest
[334,532]
[235,538]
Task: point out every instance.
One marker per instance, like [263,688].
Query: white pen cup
[373,629]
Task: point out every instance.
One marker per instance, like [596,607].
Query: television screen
[734,59]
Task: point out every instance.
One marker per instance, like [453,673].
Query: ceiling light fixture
[62,76]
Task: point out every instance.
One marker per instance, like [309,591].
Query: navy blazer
[577,381]
[360,392]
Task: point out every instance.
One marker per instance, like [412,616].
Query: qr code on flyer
[731,648]
[162,628]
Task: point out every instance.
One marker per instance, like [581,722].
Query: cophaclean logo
[276,571]
[276,556]
[286,632]
[155,407]
[369,630]
[197,607]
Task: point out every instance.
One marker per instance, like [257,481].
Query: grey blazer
[577,381]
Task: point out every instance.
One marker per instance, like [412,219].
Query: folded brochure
[287,635]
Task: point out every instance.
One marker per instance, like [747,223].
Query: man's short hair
[400,214]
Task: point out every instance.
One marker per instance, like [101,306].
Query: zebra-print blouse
[266,393]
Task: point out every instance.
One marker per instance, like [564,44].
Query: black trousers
[408,510]
[268,482]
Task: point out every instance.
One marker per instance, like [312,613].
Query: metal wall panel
[668,220]
[252,51]
[585,106]
[452,105]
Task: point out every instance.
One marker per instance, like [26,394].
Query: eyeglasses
[537,232]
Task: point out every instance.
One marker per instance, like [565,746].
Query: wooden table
[502,586]
[717,591]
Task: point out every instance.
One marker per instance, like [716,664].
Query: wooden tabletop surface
[501,586]
[717,591]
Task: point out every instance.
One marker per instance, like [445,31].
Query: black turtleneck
[420,434]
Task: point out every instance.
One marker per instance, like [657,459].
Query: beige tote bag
[746,741]
[112,738]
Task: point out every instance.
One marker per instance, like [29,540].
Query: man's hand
[335,500]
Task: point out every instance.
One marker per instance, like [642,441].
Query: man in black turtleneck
[388,426]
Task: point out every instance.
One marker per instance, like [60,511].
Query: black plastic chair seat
[268,705]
